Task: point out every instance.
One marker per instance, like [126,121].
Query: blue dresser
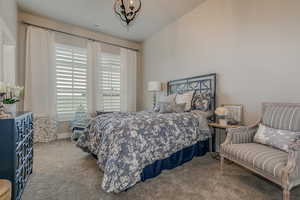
[16,151]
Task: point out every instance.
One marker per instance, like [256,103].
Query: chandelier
[127,9]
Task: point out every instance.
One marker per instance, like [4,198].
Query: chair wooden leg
[222,163]
[286,194]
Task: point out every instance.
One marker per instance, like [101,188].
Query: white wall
[253,46]
[9,64]
[8,13]
[8,33]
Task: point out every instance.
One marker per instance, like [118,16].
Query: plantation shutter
[71,80]
[109,82]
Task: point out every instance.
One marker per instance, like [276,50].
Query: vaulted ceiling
[98,15]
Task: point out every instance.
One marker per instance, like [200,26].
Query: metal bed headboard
[204,83]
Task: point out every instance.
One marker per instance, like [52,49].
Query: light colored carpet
[64,172]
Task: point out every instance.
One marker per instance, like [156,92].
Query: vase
[10,108]
[223,122]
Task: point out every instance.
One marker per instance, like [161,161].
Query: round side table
[219,136]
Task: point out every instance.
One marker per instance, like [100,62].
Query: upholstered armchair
[280,167]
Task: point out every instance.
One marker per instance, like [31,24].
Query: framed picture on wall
[235,115]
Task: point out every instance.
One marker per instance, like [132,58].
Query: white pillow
[280,139]
[185,98]
[206,114]
[167,99]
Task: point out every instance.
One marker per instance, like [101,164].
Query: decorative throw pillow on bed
[178,108]
[201,101]
[185,98]
[165,107]
[156,108]
[206,114]
[280,139]
[169,99]
[164,99]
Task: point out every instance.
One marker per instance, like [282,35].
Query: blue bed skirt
[175,160]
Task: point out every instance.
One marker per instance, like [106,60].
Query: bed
[134,147]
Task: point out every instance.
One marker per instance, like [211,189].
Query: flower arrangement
[10,93]
[9,96]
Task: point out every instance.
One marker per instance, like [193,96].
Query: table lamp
[154,86]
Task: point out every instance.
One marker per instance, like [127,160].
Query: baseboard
[61,136]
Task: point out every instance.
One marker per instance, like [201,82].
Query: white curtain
[94,92]
[40,84]
[40,94]
[128,80]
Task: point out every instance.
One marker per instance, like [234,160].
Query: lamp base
[154,99]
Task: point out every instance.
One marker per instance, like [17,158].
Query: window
[71,80]
[109,82]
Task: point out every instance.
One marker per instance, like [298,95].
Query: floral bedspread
[125,143]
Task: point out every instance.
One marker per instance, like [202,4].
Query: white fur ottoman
[5,190]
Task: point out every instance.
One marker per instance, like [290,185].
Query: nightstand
[219,135]
[79,124]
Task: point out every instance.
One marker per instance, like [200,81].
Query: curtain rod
[79,36]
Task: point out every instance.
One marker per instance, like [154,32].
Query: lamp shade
[221,111]
[154,86]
